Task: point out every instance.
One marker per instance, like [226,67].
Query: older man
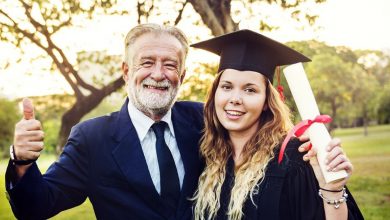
[138,163]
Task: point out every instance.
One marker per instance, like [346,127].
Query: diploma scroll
[308,109]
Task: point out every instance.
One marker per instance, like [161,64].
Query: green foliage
[347,84]
[99,67]
[196,86]
[110,104]
[51,106]
[370,156]
[9,115]
[384,106]
[51,128]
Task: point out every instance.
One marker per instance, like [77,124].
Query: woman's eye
[226,87]
[250,90]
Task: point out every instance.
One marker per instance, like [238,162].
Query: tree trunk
[332,125]
[216,15]
[365,120]
[82,106]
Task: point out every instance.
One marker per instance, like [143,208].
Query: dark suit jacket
[103,160]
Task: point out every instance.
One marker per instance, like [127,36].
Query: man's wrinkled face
[154,72]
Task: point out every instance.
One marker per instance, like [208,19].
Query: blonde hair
[216,148]
[142,29]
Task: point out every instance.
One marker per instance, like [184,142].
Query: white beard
[153,103]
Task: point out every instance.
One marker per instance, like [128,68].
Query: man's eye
[171,66]
[147,64]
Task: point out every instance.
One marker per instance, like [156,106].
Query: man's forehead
[162,40]
[151,46]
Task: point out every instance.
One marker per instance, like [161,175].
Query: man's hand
[28,137]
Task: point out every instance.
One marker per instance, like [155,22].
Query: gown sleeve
[299,196]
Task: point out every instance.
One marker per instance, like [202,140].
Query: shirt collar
[142,123]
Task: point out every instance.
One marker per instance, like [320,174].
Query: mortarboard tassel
[279,87]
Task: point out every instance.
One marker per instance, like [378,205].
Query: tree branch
[139,11]
[208,17]
[215,15]
[63,24]
[178,18]
[113,86]
[65,67]
[48,50]
[6,15]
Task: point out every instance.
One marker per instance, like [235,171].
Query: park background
[66,56]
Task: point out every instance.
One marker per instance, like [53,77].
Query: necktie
[169,179]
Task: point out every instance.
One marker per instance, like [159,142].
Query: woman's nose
[235,100]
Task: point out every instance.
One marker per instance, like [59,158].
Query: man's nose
[157,72]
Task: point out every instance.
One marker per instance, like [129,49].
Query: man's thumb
[28,109]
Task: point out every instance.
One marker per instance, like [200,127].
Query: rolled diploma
[308,109]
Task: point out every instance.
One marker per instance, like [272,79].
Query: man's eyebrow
[171,59]
[147,58]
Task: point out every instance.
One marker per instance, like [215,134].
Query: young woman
[245,124]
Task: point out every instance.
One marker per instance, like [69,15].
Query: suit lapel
[187,137]
[129,157]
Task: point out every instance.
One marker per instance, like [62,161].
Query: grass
[370,182]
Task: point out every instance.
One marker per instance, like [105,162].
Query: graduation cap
[248,50]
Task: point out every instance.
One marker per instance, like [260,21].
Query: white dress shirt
[142,124]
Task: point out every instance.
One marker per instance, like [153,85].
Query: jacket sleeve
[63,186]
[300,198]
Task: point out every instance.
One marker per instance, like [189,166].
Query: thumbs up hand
[28,136]
[28,109]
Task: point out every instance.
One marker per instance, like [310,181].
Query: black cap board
[248,50]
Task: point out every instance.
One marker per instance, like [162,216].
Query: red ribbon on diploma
[299,129]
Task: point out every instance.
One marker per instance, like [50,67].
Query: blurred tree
[24,22]
[219,16]
[327,74]
[377,64]
[384,106]
[363,95]
[344,88]
[37,22]
[9,115]
[195,87]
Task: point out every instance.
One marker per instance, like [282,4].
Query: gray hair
[142,29]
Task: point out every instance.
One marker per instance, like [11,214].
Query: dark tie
[169,179]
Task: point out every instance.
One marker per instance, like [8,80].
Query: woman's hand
[336,160]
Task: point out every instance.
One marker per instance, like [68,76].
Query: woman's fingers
[310,154]
[333,163]
[305,147]
[335,142]
[303,138]
[333,154]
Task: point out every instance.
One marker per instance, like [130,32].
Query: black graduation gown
[289,191]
